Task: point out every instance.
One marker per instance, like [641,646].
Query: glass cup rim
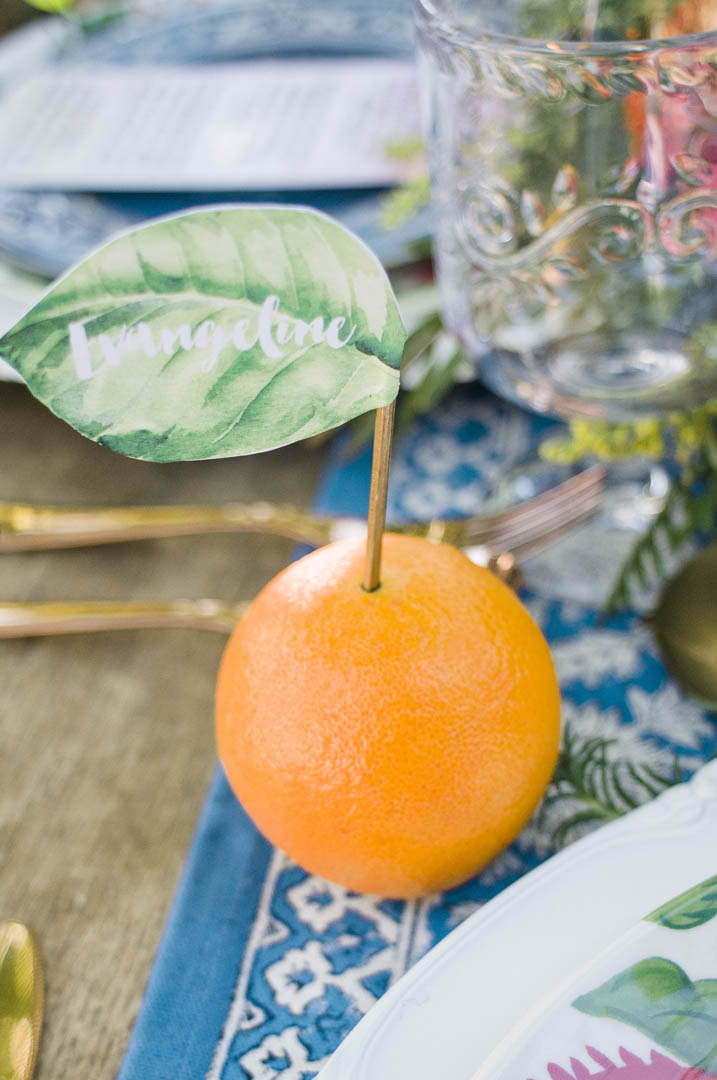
[456,34]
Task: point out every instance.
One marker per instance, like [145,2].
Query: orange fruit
[395,741]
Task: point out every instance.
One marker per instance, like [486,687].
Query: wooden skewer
[383,434]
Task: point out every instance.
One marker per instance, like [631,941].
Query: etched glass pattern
[575,185]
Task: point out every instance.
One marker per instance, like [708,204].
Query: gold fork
[30,528]
[495,542]
[19,620]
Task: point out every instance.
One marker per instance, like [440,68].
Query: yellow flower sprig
[682,436]
[609,442]
[54,6]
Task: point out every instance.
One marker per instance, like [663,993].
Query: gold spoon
[21,1000]
[685,625]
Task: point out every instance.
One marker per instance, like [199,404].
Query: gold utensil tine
[561,516]
[28,528]
[21,1000]
[575,496]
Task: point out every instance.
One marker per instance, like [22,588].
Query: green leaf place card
[213,333]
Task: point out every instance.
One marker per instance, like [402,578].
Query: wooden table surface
[107,739]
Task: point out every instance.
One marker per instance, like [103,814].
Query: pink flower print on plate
[631,1067]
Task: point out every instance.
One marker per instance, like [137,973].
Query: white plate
[8,374]
[17,292]
[445,1015]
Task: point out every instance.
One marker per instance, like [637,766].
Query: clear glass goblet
[573,152]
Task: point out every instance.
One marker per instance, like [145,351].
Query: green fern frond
[560,836]
[432,360]
[418,344]
[403,203]
[411,149]
[444,357]
[690,509]
[598,789]
[689,438]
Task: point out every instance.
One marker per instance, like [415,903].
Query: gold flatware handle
[21,1000]
[24,527]
[19,620]
[31,528]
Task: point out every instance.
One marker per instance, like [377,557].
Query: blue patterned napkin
[263,969]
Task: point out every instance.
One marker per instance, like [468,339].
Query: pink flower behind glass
[674,138]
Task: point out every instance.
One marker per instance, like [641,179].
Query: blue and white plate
[46,233]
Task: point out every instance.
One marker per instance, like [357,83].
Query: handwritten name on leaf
[271,332]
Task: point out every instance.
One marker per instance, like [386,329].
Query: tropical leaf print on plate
[659,999]
[215,333]
[691,909]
